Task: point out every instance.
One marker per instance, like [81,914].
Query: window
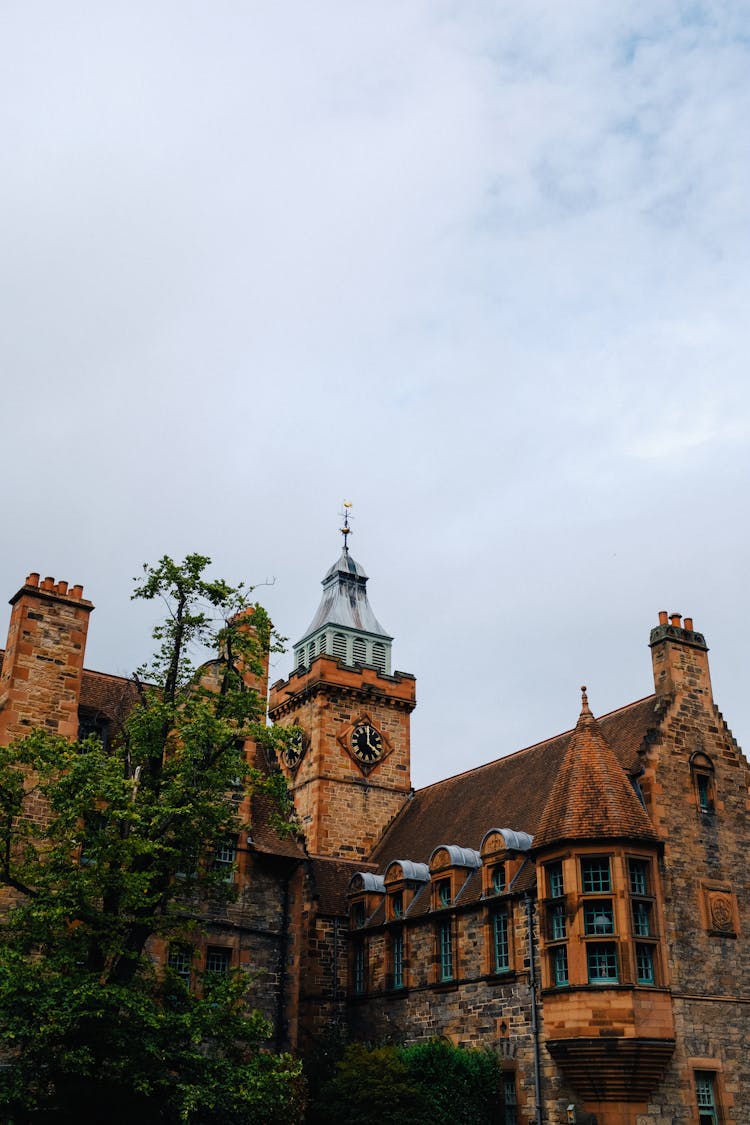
[702,769]
[444,892]
[642,919]
[705,1089]
[558,925]
[598,918]
[218,960]
[445,951]
[322,643]
[510,1101]
[358,915]
[360,650]
[180,960]
[498,878]
[397,959]
[500,943]
[359,969]
[397,904]
[644,959]
[224,857]
[601,959]
[339,646]
[638,871]
[555,880]
[378,655]
[560,966]
[595,876]
[300,658]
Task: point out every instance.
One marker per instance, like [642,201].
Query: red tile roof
[592,798]
[510,792]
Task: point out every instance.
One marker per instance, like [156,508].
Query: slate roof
[511,792]
[344,601]
[592,797]
[331,879]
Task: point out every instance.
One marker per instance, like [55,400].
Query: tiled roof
[265,839]
[510,792]
[591,797]
[331,879]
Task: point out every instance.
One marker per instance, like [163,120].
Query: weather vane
[346,531]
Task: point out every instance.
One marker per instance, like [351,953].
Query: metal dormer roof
[344,600]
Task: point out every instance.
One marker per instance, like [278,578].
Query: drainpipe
[534,1012]
[335,991]
[283,946]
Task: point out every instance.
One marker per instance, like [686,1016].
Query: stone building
[579,906]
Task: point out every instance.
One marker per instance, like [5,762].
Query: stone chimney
[680,657]
[40,684]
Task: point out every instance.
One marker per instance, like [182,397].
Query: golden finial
[346,531]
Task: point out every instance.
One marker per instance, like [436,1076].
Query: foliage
[430,1083]
[121,856]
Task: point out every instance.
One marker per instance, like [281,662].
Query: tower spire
[346,531]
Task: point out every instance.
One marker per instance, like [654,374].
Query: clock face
[367,745]
[293,751]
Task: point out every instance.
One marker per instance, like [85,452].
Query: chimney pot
[33,579]
[48,583]
[77,592]
[62,587]
[663,617]
[675,619]
[688,624]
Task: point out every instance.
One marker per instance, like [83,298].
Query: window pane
[359,969]
[444,892]
[180,960]
[446,951]
[644,956]
[501,952]
[224,857]
[498,878]
[598,917]
[510,1101]
[560,966]
[555,878]
[602,963]
[706,1094]
[217,960]
[638,869]
[398,960]
[595,874]
[558,923]
[398,904]
[642,919]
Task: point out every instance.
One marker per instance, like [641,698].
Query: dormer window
[444,892]
[498,878]
[358,915]
[397,904]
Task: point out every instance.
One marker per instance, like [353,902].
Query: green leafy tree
[430,1083]
[91,1029]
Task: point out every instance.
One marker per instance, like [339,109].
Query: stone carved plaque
[721,912]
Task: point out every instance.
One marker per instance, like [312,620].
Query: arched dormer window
[703,774]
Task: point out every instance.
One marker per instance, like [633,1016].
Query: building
[580,906]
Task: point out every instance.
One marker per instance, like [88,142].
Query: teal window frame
[601,963]
[599,918]
[359,969]
[444,892]
[644,963]
[705,1090]
[596,876]
[397,904]
[638,872]
[642,919]
[555,880]
[445,951]
[501,941]
[498,878]
[560,966]
[397,959]
[558,922]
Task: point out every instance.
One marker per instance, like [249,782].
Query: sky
[479,268]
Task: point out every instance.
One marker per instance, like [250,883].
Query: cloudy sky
[479,267]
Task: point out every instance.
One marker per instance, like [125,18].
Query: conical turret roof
[592,798]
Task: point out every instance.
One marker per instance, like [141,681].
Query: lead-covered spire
[344,624]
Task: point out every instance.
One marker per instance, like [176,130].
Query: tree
[90,1027]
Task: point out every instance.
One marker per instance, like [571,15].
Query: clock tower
[349,770]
